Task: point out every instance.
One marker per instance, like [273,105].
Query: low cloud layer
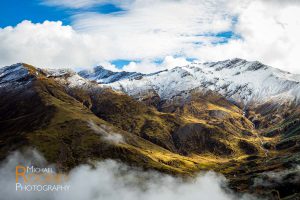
[111,180]
[106,133]
[269,179]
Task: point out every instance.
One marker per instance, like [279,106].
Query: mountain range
[236,117]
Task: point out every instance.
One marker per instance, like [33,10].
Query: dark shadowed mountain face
[239,118]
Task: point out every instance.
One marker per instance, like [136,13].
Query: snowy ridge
[105,76]
[18,73]
[236,79]
[67,77]
[58,72]
[14,74]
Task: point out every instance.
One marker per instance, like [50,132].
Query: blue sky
[36,11]
[147,36]
[15,11]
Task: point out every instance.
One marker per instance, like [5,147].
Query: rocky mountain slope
[238,80]
[102,75]
[238,118]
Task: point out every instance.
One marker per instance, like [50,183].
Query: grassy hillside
[72,125]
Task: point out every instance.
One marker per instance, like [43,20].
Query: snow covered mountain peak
[13,74]
[20,74]
[102,75]
[236,79]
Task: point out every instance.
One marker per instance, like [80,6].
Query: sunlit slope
[156,139]
[42,115]
[73,121]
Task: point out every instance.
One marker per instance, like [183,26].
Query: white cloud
[111,180]
[47,44]
[153,30]
[109,66]
[269,31]
[170,62]
[147,66]
[147,31]
[106,133]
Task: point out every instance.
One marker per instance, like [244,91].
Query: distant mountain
[239,118]
[237,80]
[102,75]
